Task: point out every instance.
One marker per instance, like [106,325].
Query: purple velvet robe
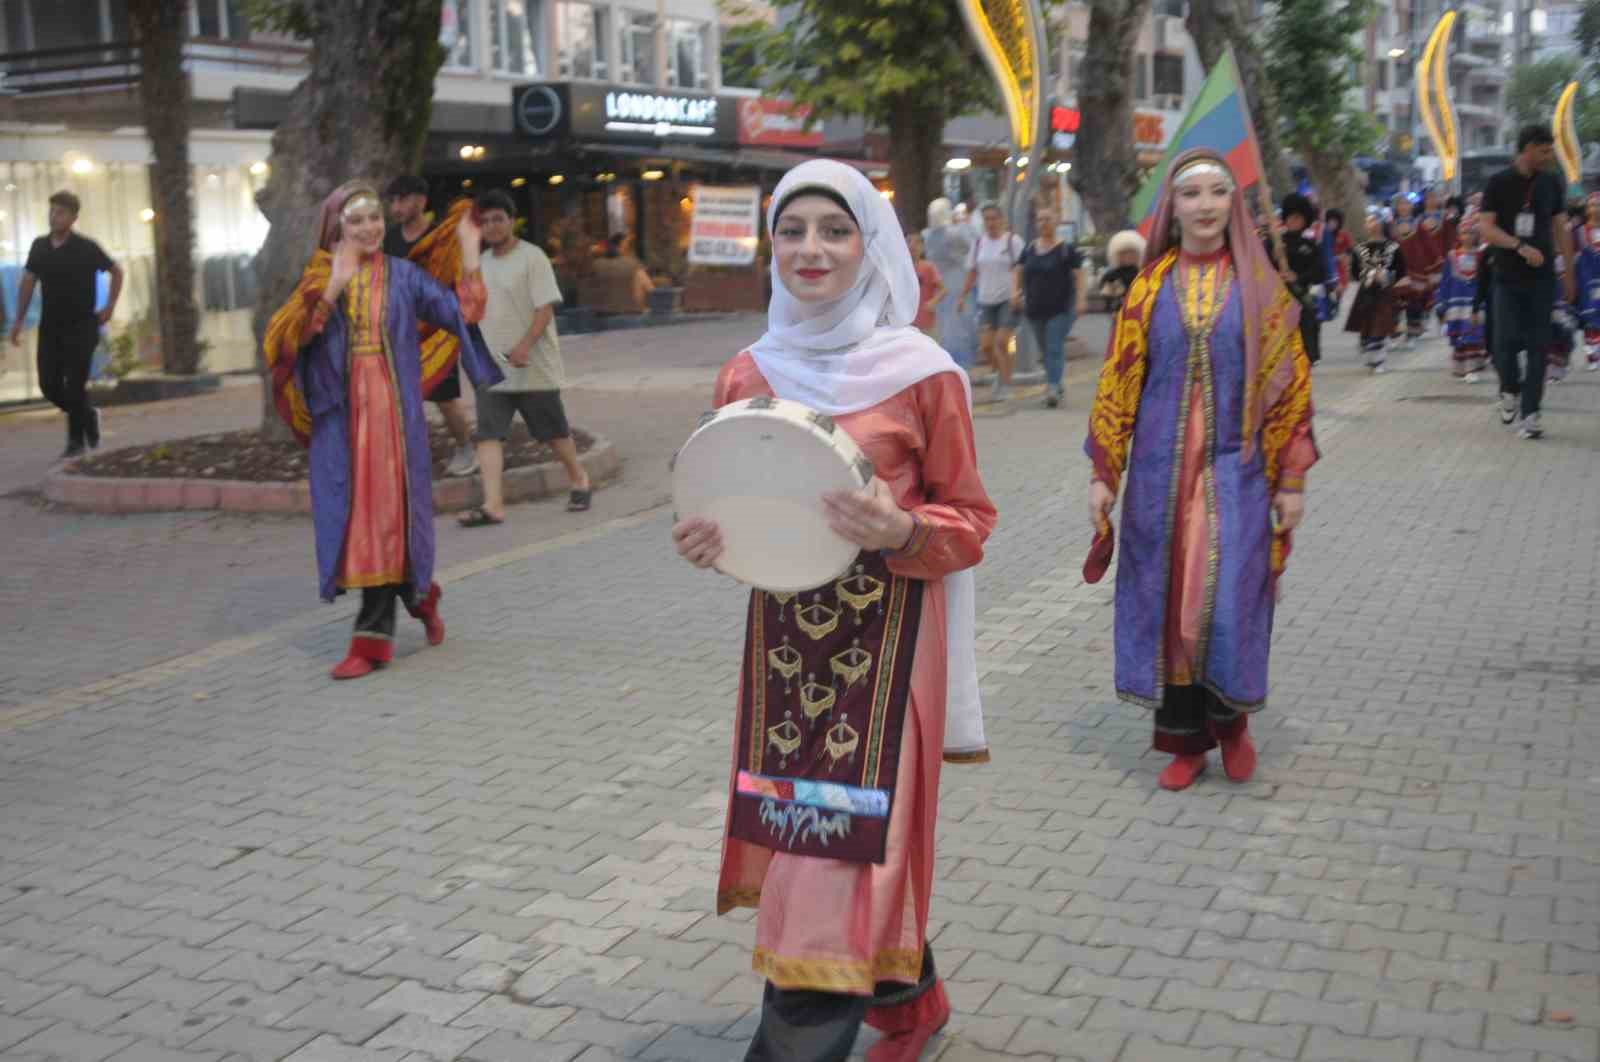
[1236,620]
[322,372]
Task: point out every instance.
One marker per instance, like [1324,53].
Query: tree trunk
[1338,184]
[164,94]
[1215,24]
[916,148]
[361,111]
[1105,160]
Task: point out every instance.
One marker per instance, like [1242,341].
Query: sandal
[479,517]
[578,501]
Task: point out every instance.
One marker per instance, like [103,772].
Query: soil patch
[245,456]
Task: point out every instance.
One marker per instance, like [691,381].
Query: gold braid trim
[1292,409]
[439,252]
[832,975]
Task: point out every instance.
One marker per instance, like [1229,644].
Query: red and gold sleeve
[1121,384]
[297,322]
[956,514]
[1288,444]
[473,296]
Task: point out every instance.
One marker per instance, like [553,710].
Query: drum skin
[759,469]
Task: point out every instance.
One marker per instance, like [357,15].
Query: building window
[1383,77]
[638,48]
[1166,73]
[516,29]
[455,32]
[1141,78]
[220,19]
[741,65]
[1170,8]
[34,25]
[583,32]
[686,54]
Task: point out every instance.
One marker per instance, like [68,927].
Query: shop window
[220,19]
[516,28]
[686,54]
[638,48]
[455,32]
[1166,73]
[582,32]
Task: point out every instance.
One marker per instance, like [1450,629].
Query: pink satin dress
[375,541]
[834,926]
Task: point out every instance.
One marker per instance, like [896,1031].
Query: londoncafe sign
[648,112]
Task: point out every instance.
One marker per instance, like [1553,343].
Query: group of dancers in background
[1408,266]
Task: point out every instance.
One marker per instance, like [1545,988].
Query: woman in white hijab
[836,850]
[947,244]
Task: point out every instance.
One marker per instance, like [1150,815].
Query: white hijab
[857,351]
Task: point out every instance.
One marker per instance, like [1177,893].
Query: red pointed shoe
[924,1017]
[428,613]
[1182,771]
[1239,756]
[366,655]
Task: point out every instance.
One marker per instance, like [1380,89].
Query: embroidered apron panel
[827,677]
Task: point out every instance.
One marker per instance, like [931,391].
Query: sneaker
[1471,378]
[1531,428]
[1052,398]
[1594,363]
[464,463]
[76,449]
[1508,408]
[91,433]
[1379,370]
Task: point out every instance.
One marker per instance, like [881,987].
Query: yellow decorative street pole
[1010,36]
[1433,97]
[1566,130]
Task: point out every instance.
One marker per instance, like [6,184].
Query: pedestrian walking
[841,929]
[1337,246]
[348,375]
[1458,300]
[1051,278]
[930,288]
[519,327]
[1305,272]
[1424,252]
[64,264]
[1587,252]
[989,267]
[1124,252]
[1520,218]
[406,237]
[1205,402]
[948,243]
[1379,271]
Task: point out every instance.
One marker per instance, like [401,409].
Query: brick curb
[102,494]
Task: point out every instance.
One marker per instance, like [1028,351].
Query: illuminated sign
[661,116]
[587,111]
[776,122]
[1433,95]
[1010,37]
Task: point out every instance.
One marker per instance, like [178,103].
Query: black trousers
[1522,323]
[65,353]
[806,1026]
[377,616]
[1311,333]
[1192,719]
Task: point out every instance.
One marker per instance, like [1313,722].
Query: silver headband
[1203,168]
[356,202]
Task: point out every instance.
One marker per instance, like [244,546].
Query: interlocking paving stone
[354,872]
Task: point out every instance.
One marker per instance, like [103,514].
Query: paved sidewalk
[505,847]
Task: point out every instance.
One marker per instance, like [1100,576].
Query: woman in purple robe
[349,369]
[1205,402]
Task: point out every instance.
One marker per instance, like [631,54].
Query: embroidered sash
[827,677]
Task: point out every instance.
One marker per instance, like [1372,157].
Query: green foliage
[1311,58]
[1535,88]
[297,18]
[857,57]
[1588,33]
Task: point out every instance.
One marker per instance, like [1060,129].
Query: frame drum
[759,469]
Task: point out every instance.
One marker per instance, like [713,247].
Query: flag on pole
[1218,119]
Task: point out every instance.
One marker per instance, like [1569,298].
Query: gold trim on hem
[830,975]
[366,582]
[731,898]
[973,756]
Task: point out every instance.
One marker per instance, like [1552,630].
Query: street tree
[1310,58]
[362,110]
[164,98]
[1536,87]
[1588,32]
[1105,159]
[906,66]
[1214,25]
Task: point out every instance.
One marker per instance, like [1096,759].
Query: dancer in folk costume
[1458,300]
[1205,401]
[1424,252]
[841,928]
[1564,327]
[1378,270]
[1336,248]
[349,369]
[1587,245]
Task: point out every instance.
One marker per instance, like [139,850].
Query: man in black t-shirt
[1520,208]
[1307,272]
[409,222]
[64,264]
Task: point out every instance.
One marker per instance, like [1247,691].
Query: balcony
[1481,112]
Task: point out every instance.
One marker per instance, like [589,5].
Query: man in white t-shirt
[519,326]
[990,266]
